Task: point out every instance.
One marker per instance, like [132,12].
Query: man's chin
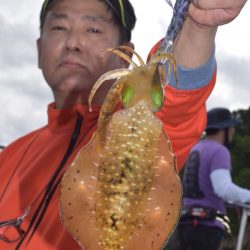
[75,83]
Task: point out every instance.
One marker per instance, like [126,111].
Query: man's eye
[94,30]
[59,28]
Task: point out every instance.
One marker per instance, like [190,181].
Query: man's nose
[75,41]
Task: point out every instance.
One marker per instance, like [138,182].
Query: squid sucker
[123,191]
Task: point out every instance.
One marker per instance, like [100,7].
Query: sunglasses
[11,230]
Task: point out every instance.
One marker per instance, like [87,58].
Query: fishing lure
[180,11]
[122,191]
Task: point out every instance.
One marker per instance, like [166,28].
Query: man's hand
[214,13]
[195,44]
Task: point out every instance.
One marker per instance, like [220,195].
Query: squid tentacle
[105,77]
[172,64]
[110,101]
[108,108]
[134,53]
[124,56]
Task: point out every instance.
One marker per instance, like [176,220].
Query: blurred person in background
[207,185]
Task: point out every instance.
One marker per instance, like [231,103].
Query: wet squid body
[122,191]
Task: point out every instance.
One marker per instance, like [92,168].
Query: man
[207,185]
[74,34]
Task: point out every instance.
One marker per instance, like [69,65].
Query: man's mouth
[71,65]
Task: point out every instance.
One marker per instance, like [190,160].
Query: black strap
[51,186]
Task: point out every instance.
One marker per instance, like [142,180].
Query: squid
[123,191]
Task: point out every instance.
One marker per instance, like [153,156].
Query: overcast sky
[24,95]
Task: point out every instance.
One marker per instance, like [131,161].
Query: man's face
[70,50]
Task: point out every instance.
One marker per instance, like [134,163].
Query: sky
[24,95]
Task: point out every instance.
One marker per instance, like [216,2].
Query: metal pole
[243,223]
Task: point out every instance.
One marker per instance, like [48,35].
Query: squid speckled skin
[123,191]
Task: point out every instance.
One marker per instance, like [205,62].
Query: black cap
[116,6]
[121,8]
[220,118]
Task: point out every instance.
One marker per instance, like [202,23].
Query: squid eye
[127,95]
[157,97]
[157,92]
